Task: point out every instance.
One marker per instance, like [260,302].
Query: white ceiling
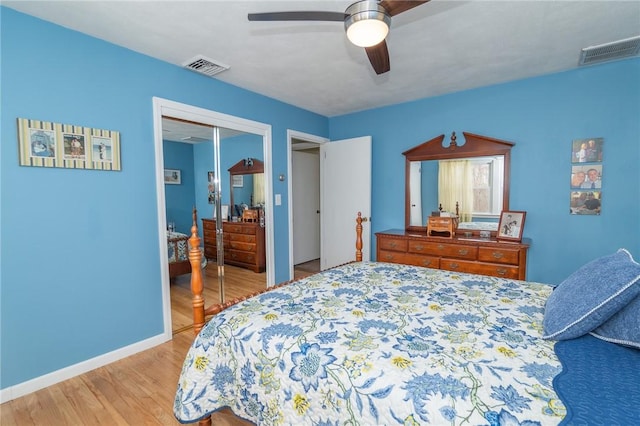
[440,47]
[188,132]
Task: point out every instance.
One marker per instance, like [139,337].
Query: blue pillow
[622,328]
[591,295]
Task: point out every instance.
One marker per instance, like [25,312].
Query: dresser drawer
[239,256]
[494,270]
[390,256]
[209,234]
[499,255]
[238,228]
[408,259]
[208,225]
[242,238]
[446,250]
[210,251]
[395,244]
[239,245]
[426,261]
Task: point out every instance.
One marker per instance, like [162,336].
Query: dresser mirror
[430,185]
[245,188]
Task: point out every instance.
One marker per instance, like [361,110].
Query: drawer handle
[419,247]
[426,262]
[440,247]
[454,266]
[389,257]
[393,244]
[501,272]
[463,252]
[498,255]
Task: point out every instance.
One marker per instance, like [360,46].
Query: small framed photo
[74,146]
[587,150]
[237,181]
[211,186]
[102,149]
[172,177]
[511,225]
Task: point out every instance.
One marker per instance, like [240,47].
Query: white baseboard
[24,388]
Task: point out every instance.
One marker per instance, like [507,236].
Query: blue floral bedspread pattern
[178,249]
[377,343]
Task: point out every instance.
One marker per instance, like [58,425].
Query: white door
[415,179]
[306,213]
[345,187]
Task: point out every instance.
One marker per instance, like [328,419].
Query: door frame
[166,107]
[319,140]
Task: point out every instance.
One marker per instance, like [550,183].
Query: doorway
[345,190]
[167,108]
[304,203]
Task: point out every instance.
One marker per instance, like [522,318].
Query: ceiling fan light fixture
[367,24]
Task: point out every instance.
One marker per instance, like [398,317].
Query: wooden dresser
[243,243]
[477,256]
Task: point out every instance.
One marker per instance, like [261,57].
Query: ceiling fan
[366,23]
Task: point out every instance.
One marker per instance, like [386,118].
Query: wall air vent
[610,51]
[205,66]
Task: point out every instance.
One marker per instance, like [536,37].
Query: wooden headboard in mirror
[244,168]
[421,170]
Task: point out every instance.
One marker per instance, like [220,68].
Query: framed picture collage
[586,176]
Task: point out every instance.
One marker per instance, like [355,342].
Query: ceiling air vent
[610,51]
[205,66]
[194,139]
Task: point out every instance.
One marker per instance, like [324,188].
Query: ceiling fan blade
[379,57]
[309,15]
[393,7]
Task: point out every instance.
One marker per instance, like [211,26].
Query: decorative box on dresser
[473,255]
[243,243]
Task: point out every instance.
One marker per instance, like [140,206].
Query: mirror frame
[474,146]
[241,168]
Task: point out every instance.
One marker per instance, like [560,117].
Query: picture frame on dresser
[511,225]
[225,212]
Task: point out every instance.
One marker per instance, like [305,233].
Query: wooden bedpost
[197,287]
[359,237]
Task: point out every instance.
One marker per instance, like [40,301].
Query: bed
[178,253]
[371,343]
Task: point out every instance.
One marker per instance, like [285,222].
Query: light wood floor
[138,390]
[237,283]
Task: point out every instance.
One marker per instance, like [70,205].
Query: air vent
[205,66]
[194,139]
[610,51]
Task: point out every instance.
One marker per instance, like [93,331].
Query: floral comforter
[178,246]
[378,343]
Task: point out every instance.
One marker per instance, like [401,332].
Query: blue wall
[93,236]
[80,274]
[180,199]
[542,116]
